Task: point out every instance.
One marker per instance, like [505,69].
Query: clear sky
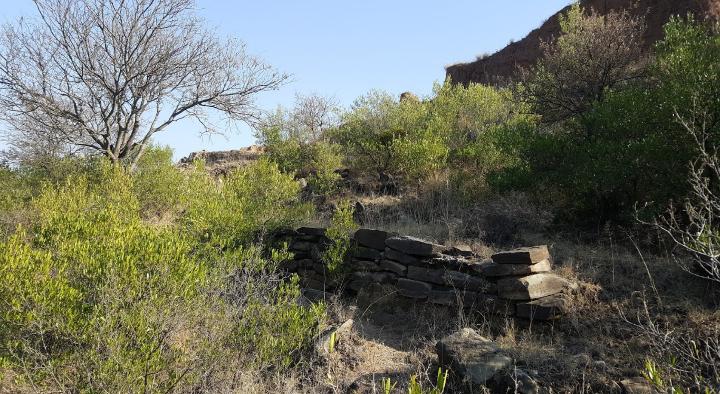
[344,49]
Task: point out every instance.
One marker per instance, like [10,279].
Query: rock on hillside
[500,67]
[221,162]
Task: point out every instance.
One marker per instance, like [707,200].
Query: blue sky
[344,49]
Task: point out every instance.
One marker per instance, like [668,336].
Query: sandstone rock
[301,246]
[515,381]
[637,385]
[453,297]
[364,265]
[495,270]
[472,356]
[323,344]
[531,287]
[413,289]
[460,250]
[547,308]
[364,253]
[414,246]
[465,281]
[496,305]
[528,255]
[392,266]
[317,231]
[426,275]
[372,238]
[400,257]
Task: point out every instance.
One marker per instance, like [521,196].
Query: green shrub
[244,206]
[339,232]
[158,185]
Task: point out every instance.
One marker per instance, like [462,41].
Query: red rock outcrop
[499,68]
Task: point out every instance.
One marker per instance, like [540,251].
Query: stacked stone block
[516,282]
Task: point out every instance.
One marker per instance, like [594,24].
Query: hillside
[502,65]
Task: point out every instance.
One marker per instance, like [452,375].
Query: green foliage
[244,206]
[97,300]
[158,185]
[415,388]
[339,233]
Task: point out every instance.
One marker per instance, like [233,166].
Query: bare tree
[696,228]
[305,123]
[593,53]
[107,75]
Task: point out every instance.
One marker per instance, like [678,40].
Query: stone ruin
[516,282]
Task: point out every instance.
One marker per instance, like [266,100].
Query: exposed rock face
[499,68]
[221,162]
[472,356]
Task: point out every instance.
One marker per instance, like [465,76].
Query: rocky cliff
[499,68]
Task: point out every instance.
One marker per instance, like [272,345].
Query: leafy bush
[339,233]
[158,185]
[244,206]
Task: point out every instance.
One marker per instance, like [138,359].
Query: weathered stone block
[372,238]
[472,356]
[414,246]
[400,257]
[527,255]
[426,275]
[496,270]
[531,287]
[364,253]
[496,305]
[547,308]
[413,289]
[316,231]
[364,265]
[392,266]
[465,281]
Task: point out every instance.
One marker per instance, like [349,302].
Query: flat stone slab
[548,308]
[372,238]
[497,270]
[392,266]
[531,287]
[472,356]
[435,276]
[414,246]
[413,289]
[364,253]
[527,255]
[400,257]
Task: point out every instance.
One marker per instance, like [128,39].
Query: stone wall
[516,282]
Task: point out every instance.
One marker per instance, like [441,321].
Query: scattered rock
[547,308]
[527,255]
[413,289]
[472,356]
[414,246]
[637,385]
[495,270]
[372,238]
[531,287]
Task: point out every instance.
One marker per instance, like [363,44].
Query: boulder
[531,287]
[413,289]
[392,266]
[547,308]
[364,253]
[414,246]
[472,356]
[372,238]
[496,270]
[527,255]
[400,257]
